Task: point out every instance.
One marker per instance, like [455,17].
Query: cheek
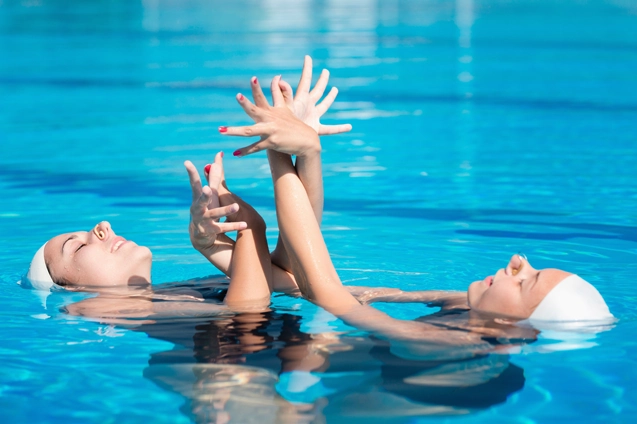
[481,297]
[502,300]
[95,267]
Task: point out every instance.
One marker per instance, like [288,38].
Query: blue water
[481,129]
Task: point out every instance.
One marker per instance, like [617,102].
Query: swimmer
[119,270]
[516,294]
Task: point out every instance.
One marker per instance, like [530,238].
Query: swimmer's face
[98,258]
[514,291]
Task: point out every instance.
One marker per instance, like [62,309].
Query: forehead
[549,278]
[53,247]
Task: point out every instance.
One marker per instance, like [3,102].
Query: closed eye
[81,246]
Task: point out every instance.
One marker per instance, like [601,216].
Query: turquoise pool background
[481,128]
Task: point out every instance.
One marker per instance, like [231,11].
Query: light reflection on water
[480,129]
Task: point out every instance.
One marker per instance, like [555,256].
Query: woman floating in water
[102,261]
[517,294]
[119,270]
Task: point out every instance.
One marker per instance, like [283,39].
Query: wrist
[200,243]
[314,149]
[207,250]
[309,158]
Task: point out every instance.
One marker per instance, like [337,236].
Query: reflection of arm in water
[136,311]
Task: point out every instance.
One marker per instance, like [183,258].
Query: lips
[488,281]
[117,243]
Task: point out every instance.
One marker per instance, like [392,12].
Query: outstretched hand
[305,104]
[205,211]
[278,125]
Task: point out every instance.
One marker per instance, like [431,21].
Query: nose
[516,264]
[102,230]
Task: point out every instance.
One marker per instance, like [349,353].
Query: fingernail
[254,80]
[240,97]
[223,129]
[237,153]
[206,169]
[221,153]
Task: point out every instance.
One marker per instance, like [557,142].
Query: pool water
[480,129]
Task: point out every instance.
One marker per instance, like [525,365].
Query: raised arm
[318,281]
[313,269]
[315,274]
[205,227]
[283,135]
[248,261]
[306,107]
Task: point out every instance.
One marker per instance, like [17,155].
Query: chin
[140,260]
[140,254]
[147,252]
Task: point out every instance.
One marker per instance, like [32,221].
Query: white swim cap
[38,275]
[39,278]
[573,302]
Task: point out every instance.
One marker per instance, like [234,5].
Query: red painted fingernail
[206,169]
[221,153]
[223,129]
[240,97]
[237,153]
[254,80]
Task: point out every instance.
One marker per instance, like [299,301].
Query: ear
[504,321]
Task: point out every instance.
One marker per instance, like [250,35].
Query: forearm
[251,272]
[391,295]
[313,269]
[309,170]
[220,254]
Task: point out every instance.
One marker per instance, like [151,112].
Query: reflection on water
[261,367]
[434,88]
